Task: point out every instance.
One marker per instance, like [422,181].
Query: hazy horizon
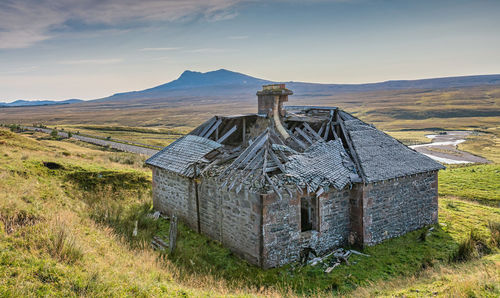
[90,49]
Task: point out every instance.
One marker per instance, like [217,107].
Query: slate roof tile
[179,156]
[383,157]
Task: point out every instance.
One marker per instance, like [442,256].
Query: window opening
[308,214]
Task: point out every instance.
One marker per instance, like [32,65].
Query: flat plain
[68,209]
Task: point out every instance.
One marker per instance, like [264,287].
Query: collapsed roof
[302,147]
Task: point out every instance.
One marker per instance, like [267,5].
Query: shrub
[15,128]
[13,219]
[53,133]
[495,233]
[62,247]
[470,248]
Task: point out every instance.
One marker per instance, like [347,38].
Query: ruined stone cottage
[288,178]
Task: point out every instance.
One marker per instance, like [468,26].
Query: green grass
[400,257]
[97,198]
[479,183]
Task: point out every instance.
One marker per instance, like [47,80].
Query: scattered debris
[359,253]
[156,215]
[340,256]
[159,244]
[315,261]
[329,269]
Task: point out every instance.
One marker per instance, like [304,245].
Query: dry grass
[479,278]
[52,247]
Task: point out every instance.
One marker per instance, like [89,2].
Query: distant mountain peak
[223,82]
[220,77]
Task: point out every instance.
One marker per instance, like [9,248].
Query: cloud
[26,22]
[20,70]
[238,37]
[91,61]
[159,49]
[209,50]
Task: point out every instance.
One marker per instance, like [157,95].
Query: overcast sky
[60,49]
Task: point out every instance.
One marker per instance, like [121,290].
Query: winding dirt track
[115,145]
[443,148]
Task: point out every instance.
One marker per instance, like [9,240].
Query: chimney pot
[266,98]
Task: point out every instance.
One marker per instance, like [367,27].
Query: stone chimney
[271,97]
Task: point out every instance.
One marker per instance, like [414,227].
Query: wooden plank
[327,129]
[322,128]
[264,165]
[254,150]
[209,133]
[337,123]
[210,165]
[351,149]
[299,142]
[335,136]
[271,169]
[252,164]
[312,131]
[227,134]
[244,137]
[273,186]
[233,167]
[277,161]
[304,135]
[241,156]
[276,138]
[282,155]
[210,122]
[172,234]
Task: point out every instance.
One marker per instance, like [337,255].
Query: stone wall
[397,206]
[230,218]
[266,230]
[283,239]
[174,194]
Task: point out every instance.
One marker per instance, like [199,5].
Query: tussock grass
[495,232]
[61,245]
[472,247]
[84,245]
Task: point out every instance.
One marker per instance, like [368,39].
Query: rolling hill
[225,83]
[24,103]
[222,83]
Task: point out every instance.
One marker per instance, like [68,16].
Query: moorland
[68,209]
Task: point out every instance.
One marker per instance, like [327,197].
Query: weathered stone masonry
[397,206]
[291,179]
[230,218]
[269,235]
[283,239]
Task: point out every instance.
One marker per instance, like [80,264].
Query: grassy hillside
[52,240]
[68,211]
[454,108]
[478,183]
